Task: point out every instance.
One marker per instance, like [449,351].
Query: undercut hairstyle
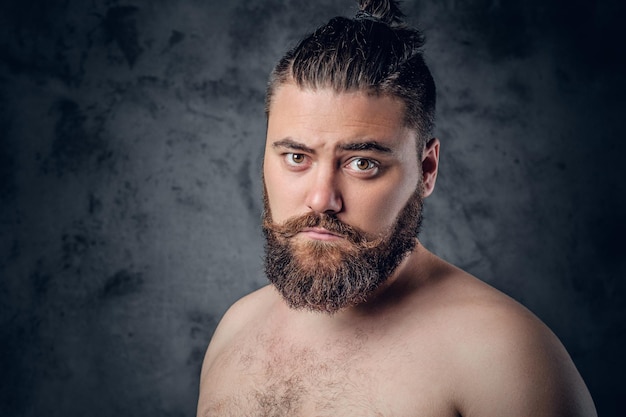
[375,52]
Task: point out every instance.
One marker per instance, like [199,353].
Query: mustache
[297,224]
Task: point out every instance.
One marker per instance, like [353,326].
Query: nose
[324,195]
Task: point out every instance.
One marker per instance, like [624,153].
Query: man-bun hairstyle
[374,52]
[386,11]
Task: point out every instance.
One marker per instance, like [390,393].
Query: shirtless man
[360,319]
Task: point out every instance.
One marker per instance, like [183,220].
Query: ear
[430,166]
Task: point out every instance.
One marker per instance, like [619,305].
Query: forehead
[324,114]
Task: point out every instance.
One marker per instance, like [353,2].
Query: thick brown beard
[330,276]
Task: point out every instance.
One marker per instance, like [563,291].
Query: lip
[319,233]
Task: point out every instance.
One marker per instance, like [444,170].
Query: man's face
[343,194]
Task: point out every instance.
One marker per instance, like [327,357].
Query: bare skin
[432,341]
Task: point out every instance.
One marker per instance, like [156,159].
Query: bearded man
[360,319]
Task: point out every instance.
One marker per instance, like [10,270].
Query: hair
[375,52]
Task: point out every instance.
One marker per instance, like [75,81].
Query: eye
[295,160]
[363,166]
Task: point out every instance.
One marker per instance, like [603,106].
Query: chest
[276,377]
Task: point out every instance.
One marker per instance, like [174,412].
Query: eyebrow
[292,144]
[353,146]
[365,146]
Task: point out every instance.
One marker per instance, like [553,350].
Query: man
[360,319]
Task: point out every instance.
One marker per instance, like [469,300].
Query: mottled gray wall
[131,136]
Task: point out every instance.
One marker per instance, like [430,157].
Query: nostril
[325,202]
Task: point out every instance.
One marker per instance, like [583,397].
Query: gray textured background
[131,136]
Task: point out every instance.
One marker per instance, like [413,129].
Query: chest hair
[273,377]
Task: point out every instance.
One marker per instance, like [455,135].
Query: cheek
[381,203]
[281,194]
[375,210]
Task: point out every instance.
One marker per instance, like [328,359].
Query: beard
[329,276]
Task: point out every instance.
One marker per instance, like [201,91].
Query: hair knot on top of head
[385,11]
[375,52]
[361,15]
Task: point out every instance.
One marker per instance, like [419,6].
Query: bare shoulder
[234,325]
[237,318]
[505,361]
